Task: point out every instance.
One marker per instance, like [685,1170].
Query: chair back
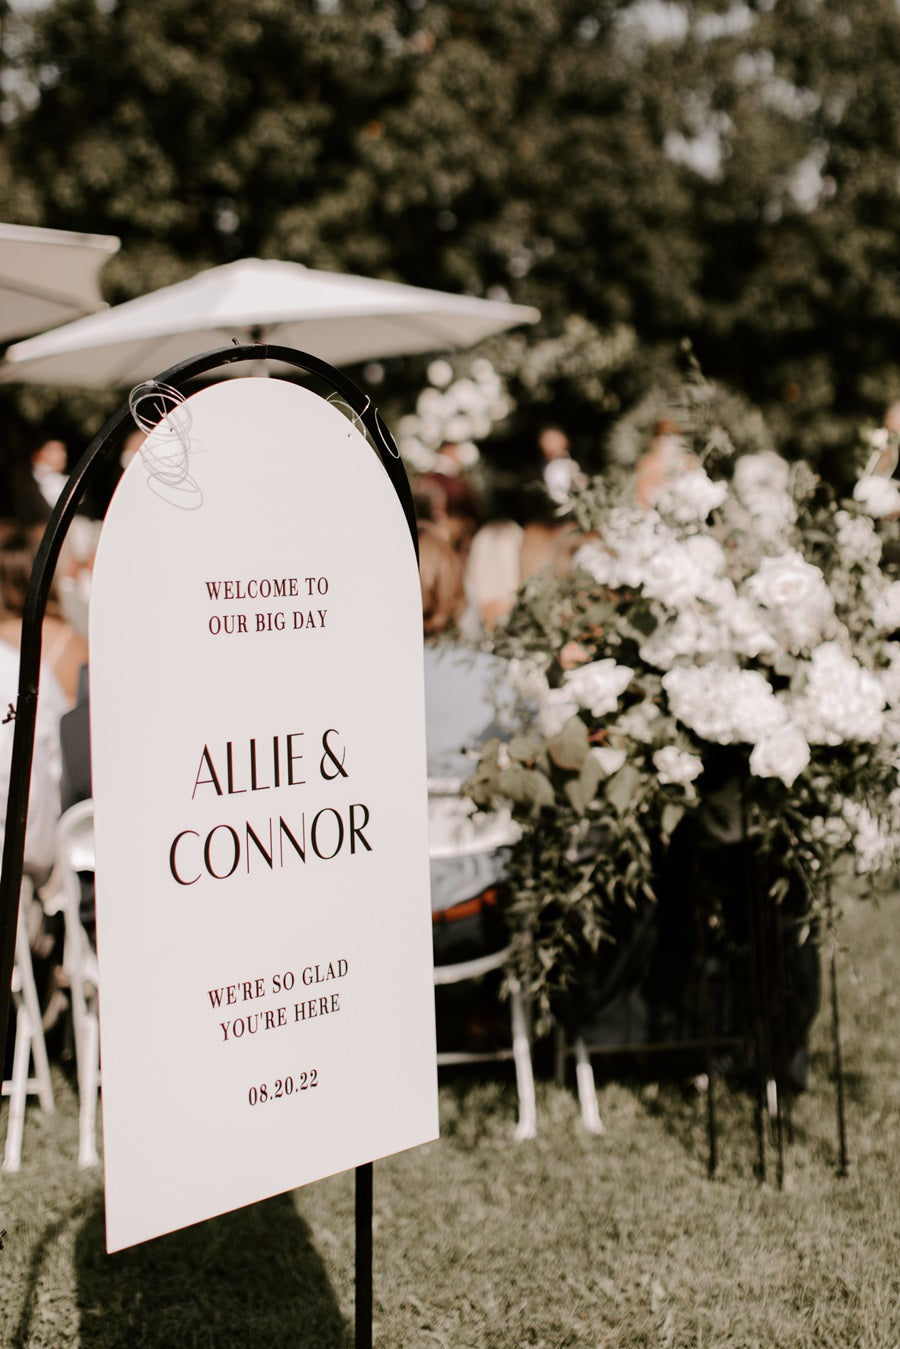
[458,831]
[74,855]
[456,828]
[30,1047]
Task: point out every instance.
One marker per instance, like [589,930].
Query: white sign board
[258,746]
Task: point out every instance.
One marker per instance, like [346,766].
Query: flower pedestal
[715,975]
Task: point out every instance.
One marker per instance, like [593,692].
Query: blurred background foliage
[716,176]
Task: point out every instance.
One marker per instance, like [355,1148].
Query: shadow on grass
[20,1338]
[252,1276]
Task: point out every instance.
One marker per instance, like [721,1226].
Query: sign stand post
[307,749]
[363,1311]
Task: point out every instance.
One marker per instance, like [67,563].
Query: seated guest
[465,693]
[43,800]
[44,933]
[75,784]
[492,574]
[64,650]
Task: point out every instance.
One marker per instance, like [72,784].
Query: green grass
[482,1243]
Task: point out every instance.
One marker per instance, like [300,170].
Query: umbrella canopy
[48,277]
[341,319]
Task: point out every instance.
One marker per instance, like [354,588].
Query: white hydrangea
[724,704]
[746,628]
[630,537]
[839,700]
[886,605]
[858,543]
[639,723]
[463,410]
[757,476]
[690,634]
[889,675]
[875,847]
[760,484]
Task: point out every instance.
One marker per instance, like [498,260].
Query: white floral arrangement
[752,618]
[462,408]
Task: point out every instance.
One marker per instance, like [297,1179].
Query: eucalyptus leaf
[569,749]
[581,791]
[525,749]
[672,816]
[623,788]
[539,790]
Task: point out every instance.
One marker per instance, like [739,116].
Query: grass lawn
[483,1243]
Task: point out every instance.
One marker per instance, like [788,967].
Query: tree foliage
[643,172]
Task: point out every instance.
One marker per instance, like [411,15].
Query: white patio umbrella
[48,277]
[341,319]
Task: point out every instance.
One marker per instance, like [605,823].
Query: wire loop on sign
[161,412]
[355,417]
[161,402]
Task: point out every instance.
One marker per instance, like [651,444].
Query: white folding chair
[29,1042]
[75,853]
[458,831]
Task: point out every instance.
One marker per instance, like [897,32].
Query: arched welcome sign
[267,1012]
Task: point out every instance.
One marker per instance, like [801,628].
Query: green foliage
[716,177]
[481,1243]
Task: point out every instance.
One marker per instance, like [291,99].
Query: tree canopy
[648,174]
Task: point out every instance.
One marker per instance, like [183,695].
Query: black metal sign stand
[101,448]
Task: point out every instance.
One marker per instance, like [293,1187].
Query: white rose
[878,496]
[784,755]
[764,472]
[431,403]
[440,373]
[691,497]
[557,706]
[795,594]
[674,765]
[419,457]
[561,477]
[597,686]
[467,452]
[680,572]
[597,561]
